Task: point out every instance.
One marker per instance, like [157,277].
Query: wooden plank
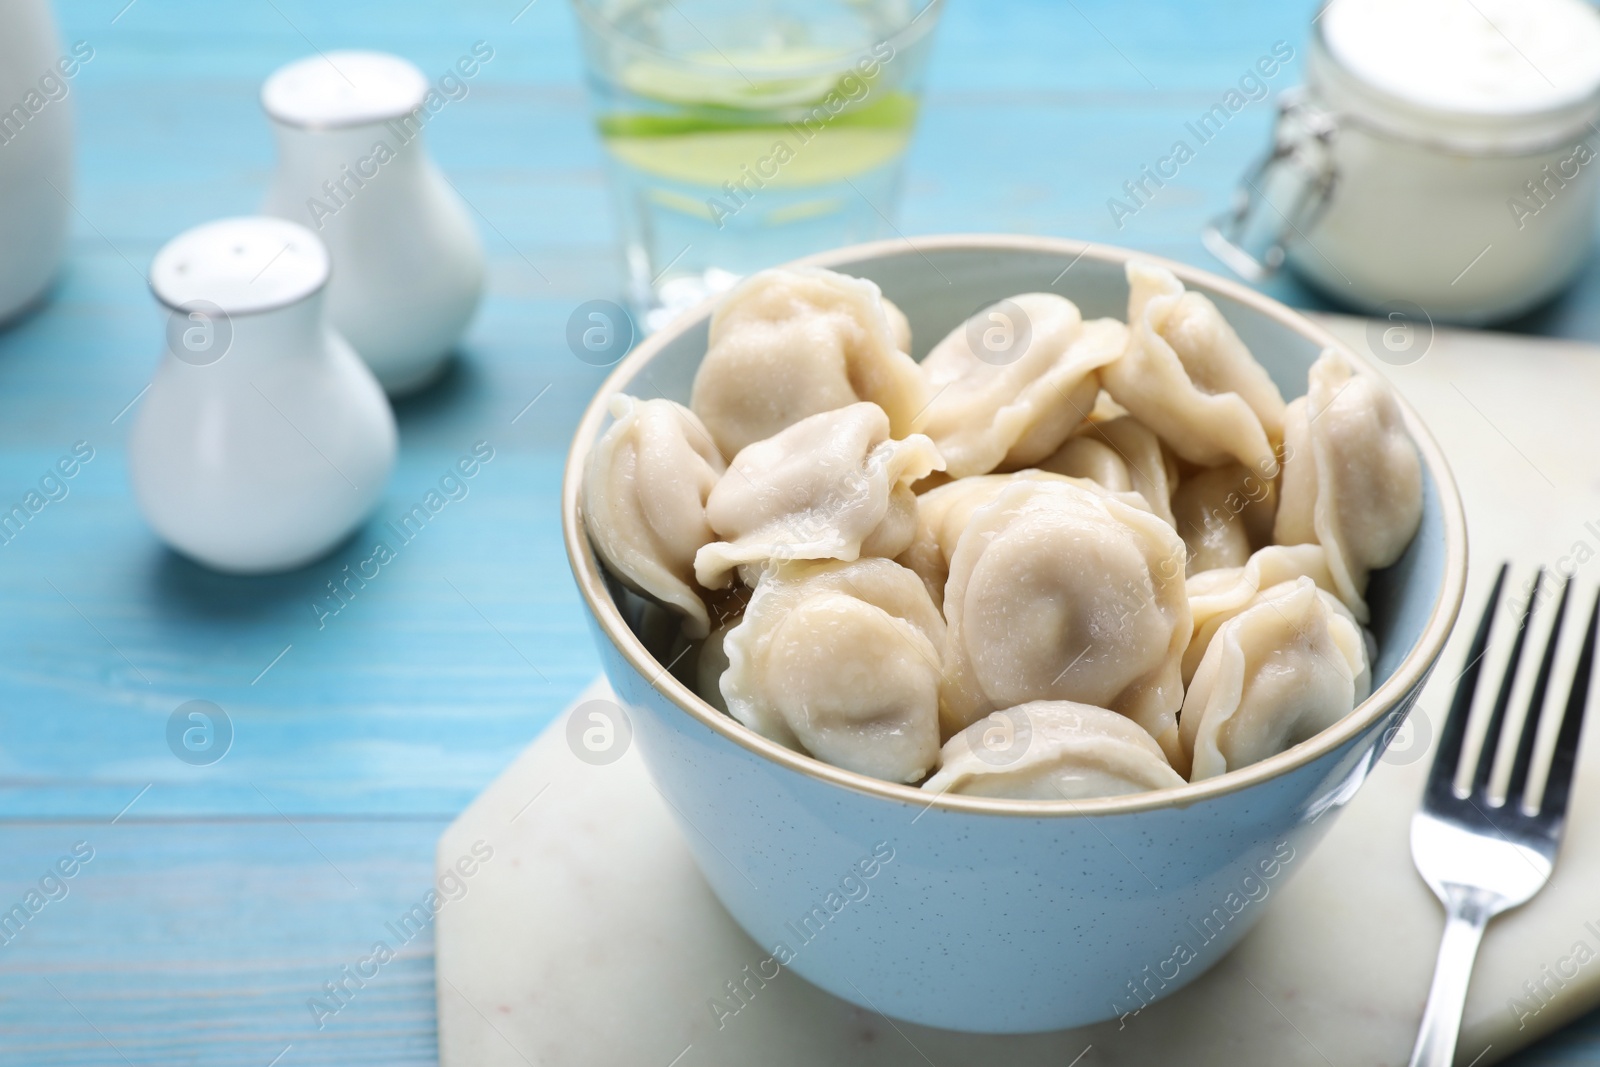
[209,920]
[204,942]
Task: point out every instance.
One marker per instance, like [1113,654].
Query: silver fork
[1482,858]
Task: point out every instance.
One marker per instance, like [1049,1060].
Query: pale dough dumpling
[899,325]
[841,660]
[943,512]
[797,341]
[1015,409]
[1217,596]
[1278,673]
[832,486]
[1057,592]
[644,498]
[1122,454]
[711,662]
[1222,514]
[1352,479]
[1052,750]
[1188,376]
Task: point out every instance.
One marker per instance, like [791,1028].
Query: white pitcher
[35,151]
[263,441]
[407,263]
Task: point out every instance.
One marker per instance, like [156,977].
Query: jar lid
[1492,75]
[241,266]
[341,89]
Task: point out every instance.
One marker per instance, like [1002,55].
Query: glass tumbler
[743,133]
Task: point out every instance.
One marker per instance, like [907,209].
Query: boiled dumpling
[1187,375]
[832,486]
[644,499]
[1052,750]
[797,341]
[1217,596]
[1277,674]
[1222,514]
[1352,479]
[943,512]
[899,325]
[1122,454]
[1015,409]
[712,663]
[841,660]
[1216,360]
[1057,592]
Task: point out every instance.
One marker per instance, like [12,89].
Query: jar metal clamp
[1300,163]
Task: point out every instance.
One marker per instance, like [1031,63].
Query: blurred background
[222,895]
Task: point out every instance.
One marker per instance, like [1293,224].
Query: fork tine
[1559,784]
[1541,686]
[1442,776]
[1497,717]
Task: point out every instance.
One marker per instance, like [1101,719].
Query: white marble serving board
[589,938]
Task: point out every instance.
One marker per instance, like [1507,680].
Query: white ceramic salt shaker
[35,152]
[407,263]
[263,440]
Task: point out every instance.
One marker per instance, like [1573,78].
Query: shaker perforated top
[343,89]
[240,265]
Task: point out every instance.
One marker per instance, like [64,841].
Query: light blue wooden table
[220,899]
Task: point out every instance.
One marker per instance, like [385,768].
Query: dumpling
[711,663]
[1275,675]
[1014,411]
[644,498]
[1187,374]
[1217,596]
[899,325]
[1057,592]
[1122,454]
[1352,479]
[798,341]
[943,513]
[1052,750]
[1222,514]
[841,660]
[1216,360]
[832,486]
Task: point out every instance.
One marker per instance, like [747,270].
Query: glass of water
[743,133]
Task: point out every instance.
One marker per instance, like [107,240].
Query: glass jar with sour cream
[1442,156]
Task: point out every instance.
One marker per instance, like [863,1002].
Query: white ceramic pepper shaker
[35,150]
[407,263]
[263,440]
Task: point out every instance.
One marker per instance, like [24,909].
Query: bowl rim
[1411,672]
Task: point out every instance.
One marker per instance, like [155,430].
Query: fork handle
[1469,911]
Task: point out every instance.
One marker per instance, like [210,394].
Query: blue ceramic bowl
[1002,915]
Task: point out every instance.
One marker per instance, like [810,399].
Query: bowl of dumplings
[1004,618]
